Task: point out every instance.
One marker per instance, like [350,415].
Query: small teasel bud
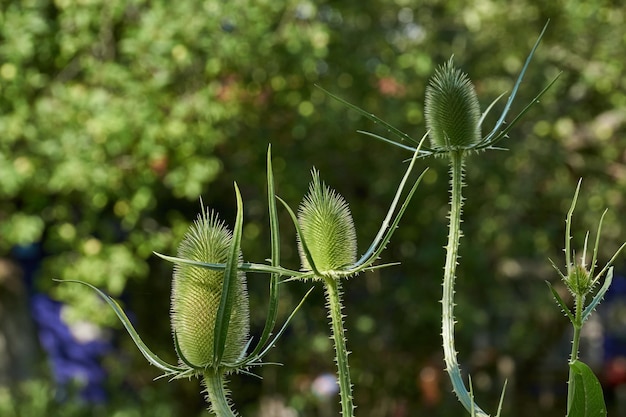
[196,294]
[579,281]
[451,109]
[327,228]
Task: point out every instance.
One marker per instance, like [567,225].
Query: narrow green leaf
[145,351]
[394,224]
[610,262]
[598,297]
[561,303]
[588,398]
[245,266]
[518,82]
[272,312]
[392,208]
[488,109]
[568,230]
[377,120]
[305,248]
[182,356]
[556,268]
[389,141]
[499,412]
[227,300]
[597,243]
[283,328]
[493,139]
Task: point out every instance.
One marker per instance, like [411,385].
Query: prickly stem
[447,323]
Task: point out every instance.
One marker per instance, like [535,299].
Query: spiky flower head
[196,294]
[579,281]
[451,109]
[327,228]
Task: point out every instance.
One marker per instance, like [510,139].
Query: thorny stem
[333,296]
[214,382]
[578,325]
[452,249]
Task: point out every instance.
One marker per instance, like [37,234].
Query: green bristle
[196,294]
[327,228]
[451,109]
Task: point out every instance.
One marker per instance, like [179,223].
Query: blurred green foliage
[117,115]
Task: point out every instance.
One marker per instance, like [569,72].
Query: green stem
[214,382]
[578,325]
[333,296]
[447,302]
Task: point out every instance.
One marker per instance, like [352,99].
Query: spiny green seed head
[579,282]
[451,109]
[327,228]
[196,294]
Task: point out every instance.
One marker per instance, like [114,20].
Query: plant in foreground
[454,121]
[210,304]
[584,393]
[209,300]
[327,247]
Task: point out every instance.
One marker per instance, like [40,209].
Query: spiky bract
[196,294]
[451,109]
[327,228]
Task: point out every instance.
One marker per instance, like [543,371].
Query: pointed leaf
[146,352]
[305,248]
[372,117]
[271,344]
[597,243]
[229,289]
[495,137]
[389,141]
[588,399]
[568,230]
[556,268]
[245,266]
[507,107]
[499,412]
[385,224]
[488,109]
[272,312]
[182,356]
[561,303]
[599,296]
[392,228]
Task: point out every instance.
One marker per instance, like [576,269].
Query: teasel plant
[454,123]
[210,306]
[327,247]
[209,300]
[584,392]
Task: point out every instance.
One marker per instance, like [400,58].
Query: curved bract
[446,137]
[210,303]
[196,295]
[454,121]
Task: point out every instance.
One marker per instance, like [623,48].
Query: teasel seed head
[327,228]
[451,110]
[579,281]
[196,294]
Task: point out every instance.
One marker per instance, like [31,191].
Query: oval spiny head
[451,110]
[196,294]
[579,281]
[327,228]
